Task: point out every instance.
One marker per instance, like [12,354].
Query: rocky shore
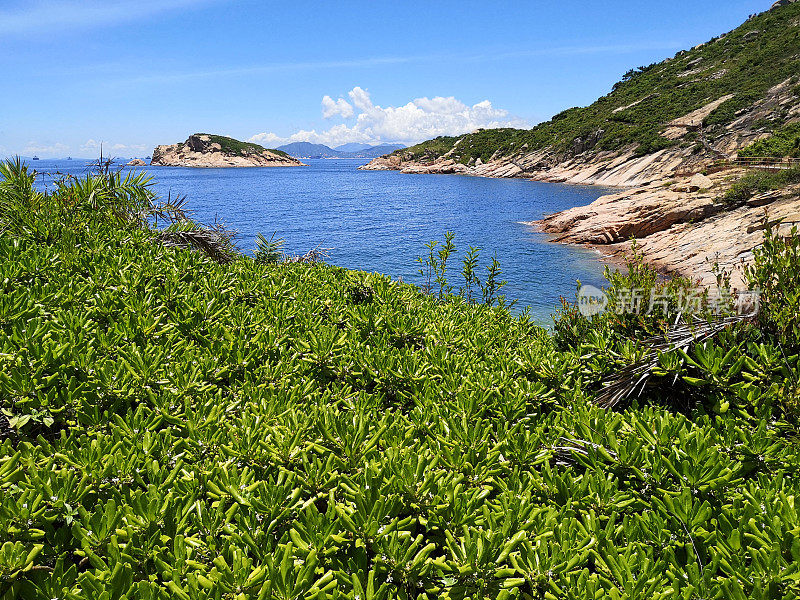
[202,150]
[682,226]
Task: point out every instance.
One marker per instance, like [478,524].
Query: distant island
[351,150]
[206,150]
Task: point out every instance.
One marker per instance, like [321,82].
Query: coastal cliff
[204,150]
[691,148]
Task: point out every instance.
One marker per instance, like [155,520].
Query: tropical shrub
[756,182]
[783,143]
[433,270]
[174,426]
[775,273]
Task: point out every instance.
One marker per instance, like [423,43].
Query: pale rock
[696,183]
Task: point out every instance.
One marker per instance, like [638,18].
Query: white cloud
[35,16]
[268,139]
[360,98]
[93,146]
[50,150]
[331,108]
[418,120]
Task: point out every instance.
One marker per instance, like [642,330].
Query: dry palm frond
[627,381]
[171,210]
[315,255]
[216,241]
[566,451]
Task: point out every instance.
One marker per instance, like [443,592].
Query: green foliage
[757,182]
[296,430]
[784,143]
[641,304]
[750,368]
[76,203]
[236,147]
[269,251]
[738,63]
[776,273]
[434,270]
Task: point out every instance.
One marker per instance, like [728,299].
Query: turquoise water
[380,220]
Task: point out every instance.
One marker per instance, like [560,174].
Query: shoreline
[679,229]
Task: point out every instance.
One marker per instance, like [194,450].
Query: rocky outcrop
[136,162]
[202,150]
[636,213]
[677,128]
[680,227]
[601,168]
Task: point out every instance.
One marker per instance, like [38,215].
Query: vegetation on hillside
[745,62]
[756,182]
[175,426]
[784,143]
[236,147]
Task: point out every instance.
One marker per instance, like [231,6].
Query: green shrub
[269,251]
[232,146]
[434,271]
[775,272]
[175,427]
[757,182]
[74,205]
[784,143]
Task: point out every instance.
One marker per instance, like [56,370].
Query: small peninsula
[216,151]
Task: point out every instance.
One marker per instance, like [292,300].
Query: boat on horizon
[35,158]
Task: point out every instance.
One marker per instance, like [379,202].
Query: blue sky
[137,74]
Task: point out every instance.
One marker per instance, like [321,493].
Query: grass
[174,426]
[738,63]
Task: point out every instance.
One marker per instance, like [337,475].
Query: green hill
[747,63]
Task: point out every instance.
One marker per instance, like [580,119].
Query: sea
[380,221]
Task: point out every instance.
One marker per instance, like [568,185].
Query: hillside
[670,117]
[309,150]
[206,150]
[352,147]
[181,422]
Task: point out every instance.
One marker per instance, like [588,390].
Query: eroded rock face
[200,151]
[633,213]
[679,232]
[623,169]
